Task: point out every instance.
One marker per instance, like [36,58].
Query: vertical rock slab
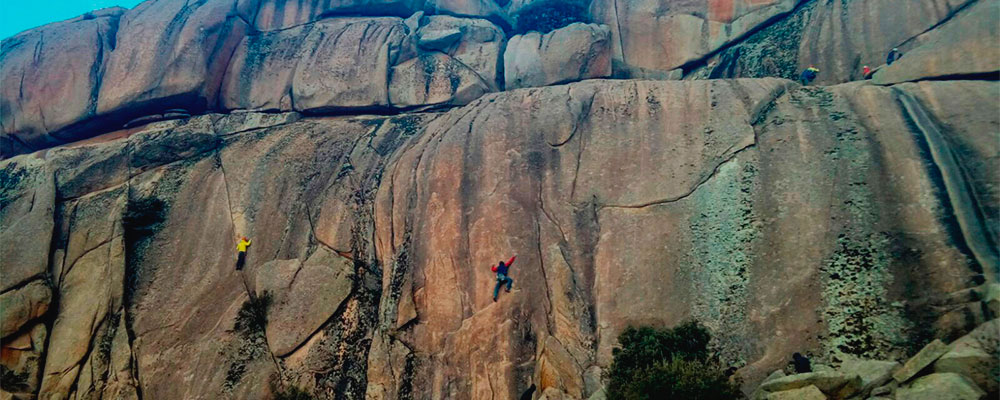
[27,218]
[90,284]
[575,52]
[49,79]
[348,69]
[170,55]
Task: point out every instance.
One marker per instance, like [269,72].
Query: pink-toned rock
[49,79]
[348,69]
[575,52]
[621,199]
[169,55]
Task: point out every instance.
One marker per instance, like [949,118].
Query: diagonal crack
[691,191]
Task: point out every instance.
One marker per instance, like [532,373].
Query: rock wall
[382,155]
[626,202]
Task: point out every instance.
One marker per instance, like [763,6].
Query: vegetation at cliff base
[668,364]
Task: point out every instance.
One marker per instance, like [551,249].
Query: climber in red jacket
[502,278]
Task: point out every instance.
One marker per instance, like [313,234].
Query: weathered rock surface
[627,202]
[349,67]
[941,386]
[964,46]
[576,52]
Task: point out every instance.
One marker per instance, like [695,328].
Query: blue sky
[21,15]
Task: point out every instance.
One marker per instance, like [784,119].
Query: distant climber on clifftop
[502,278]
[808,75]
[241,248]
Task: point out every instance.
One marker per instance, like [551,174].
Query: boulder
[976,356]
[931,352]
[259,76]
[281,14]
[49,78]
[941,386]
[805,393]
[873,373]
[575,52]
[438,39]
[963,46]
[479,46]
[27,208]
[305,294]
[22,305]
[169,55]
[348,68]
[837,385]
[434,79]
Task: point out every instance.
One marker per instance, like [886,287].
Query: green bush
[293,393]
[252,317]
[549,16]
[668,364]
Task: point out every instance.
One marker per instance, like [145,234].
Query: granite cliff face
[383,154]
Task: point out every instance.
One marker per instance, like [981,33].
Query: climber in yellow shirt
[242,257]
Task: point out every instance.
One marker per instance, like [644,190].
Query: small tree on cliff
[668,364]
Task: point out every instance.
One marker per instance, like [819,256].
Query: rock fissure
[701,182]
